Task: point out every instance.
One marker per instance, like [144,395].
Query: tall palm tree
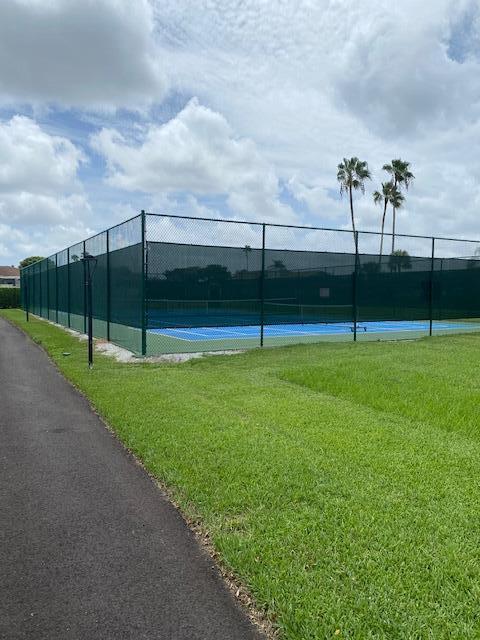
[401,177]
[351,175]
[388,195]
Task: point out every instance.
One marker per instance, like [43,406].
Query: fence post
[40,289]
[84,291]
[56,288]
[144,288]
[108,285]
[262,288]
[354,289]
[31,294]
[68,287]
[430,297]
[26,280]
[47,264]
[439,288]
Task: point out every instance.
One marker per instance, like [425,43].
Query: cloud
[195,152]
[42,202]
[285,90]
[34,161]
[90,53]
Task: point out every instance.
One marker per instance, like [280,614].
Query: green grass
[339,482]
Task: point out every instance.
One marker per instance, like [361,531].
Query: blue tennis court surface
[196,334]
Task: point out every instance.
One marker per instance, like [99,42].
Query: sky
[238,109]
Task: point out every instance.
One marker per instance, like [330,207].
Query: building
[9,277]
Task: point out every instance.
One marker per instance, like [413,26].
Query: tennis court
[170,284]
[275,321]
[199,334]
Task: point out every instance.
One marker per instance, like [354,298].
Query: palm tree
[399,260]
[278,265]
[351,175]
[401,177]
[388,195]
[247,248]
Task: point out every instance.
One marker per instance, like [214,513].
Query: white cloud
[286,89]
[311,82]
[33,161]
[195,152]
[42,203]
[91,53]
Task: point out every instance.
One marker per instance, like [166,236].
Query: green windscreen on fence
[55,288]
[63,287]
[97,247]
[77,306]
[126,284]
[456,281]
[165,284]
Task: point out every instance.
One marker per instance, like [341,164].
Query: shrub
[9,297]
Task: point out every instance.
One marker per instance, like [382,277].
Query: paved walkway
[89,547]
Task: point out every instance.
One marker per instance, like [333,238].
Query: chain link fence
[172,284]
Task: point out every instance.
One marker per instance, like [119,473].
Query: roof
[9,272]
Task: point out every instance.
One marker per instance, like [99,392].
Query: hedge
[9,297]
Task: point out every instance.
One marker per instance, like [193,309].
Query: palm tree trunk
[393,230]
[393,222]
[351,210]
[383,229]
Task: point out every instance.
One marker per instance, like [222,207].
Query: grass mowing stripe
[341,508]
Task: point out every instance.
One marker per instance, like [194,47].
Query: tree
[210,273]
[247,249]
[474,261]
[28,261]
[370,267]
[399,260]
[388,195]
[351,175]
[401,177]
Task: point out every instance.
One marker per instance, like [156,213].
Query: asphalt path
[90,548]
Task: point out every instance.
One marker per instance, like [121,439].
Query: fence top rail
[259,224]
[298,226]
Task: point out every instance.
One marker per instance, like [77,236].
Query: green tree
[399,260]
[401,177]
[388,195]
[278,265]
[30,260]
[351,175]
[370,267]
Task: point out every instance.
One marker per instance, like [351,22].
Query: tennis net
[164,313]
[281,313]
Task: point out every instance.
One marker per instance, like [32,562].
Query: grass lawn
[339,482]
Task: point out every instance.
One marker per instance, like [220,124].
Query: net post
[354,289]
[68,287]
[108,285]
[144,288]
[262,288]
[56,288]
[430,296]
